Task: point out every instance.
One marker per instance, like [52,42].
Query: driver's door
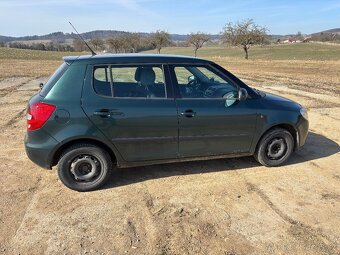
[209,123]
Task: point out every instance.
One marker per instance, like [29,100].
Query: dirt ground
[227,206]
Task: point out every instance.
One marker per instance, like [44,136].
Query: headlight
[304,113]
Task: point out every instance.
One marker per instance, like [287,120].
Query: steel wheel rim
[276,148]
[85,168]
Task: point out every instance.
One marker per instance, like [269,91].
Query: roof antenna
[93,53]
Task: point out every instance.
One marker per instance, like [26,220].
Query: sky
[37,17]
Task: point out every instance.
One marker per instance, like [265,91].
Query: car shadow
[317,146]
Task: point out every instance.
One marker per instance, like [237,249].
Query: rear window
[53,79]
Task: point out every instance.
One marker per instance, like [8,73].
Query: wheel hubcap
[85,168]
[276,148]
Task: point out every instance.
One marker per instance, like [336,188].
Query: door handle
[189,113]
[105,113]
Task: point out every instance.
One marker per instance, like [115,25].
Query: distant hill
[331,35]
[334,31]
[104,34]
[7,38]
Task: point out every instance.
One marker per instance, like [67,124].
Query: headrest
[138,73]
[147,76]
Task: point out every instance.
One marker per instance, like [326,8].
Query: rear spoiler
[70,59]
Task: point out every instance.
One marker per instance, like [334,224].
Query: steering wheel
[192,82]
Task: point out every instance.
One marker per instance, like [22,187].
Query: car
[96,113]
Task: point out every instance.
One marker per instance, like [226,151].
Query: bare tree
[97,43]
[133,41]
[160,39]
[244,34]
[79,45]
[125,43]
[115,43]
[198,40]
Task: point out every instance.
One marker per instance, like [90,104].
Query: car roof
[127,58]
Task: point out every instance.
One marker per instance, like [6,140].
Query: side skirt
[176,160]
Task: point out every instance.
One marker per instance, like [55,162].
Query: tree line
[243,34]
[51,46]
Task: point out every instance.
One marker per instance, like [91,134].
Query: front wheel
[275,147]
[84,167]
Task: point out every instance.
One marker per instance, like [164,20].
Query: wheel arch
[290,128]
[68,144]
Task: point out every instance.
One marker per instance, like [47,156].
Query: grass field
[313,66]
[29,63]
[302,51]
[292,58]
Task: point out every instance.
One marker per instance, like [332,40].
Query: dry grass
[27,68]
[317,76]
[314,75]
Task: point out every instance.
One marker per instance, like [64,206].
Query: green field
[301,51]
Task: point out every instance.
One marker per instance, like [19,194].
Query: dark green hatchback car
[100,112]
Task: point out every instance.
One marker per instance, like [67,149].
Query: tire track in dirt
[132,233]
[6,91]
[313,96]
[30,205]
[16,103]
[15,118]
[195,227]
[310,237]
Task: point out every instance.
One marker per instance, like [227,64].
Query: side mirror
[41,85]
[242,94]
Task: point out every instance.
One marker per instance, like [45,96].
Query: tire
[84,167]
[275,147]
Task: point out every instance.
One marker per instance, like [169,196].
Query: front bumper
[302,132]
[39,148]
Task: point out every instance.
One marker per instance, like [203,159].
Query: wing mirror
[41,85]
[242,94]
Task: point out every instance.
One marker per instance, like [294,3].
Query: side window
[142,81]
[101,81]
[203,82]
[183,75]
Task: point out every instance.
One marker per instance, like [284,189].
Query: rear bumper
[39,148]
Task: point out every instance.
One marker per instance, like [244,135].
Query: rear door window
[140,81]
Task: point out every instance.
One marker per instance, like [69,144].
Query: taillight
[38,114]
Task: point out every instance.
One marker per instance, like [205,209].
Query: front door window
[203,82]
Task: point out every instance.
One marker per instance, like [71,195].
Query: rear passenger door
[133,106]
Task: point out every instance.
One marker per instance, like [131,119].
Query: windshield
[53,79]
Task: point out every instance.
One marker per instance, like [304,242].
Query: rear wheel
[84,167]
[275,147]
